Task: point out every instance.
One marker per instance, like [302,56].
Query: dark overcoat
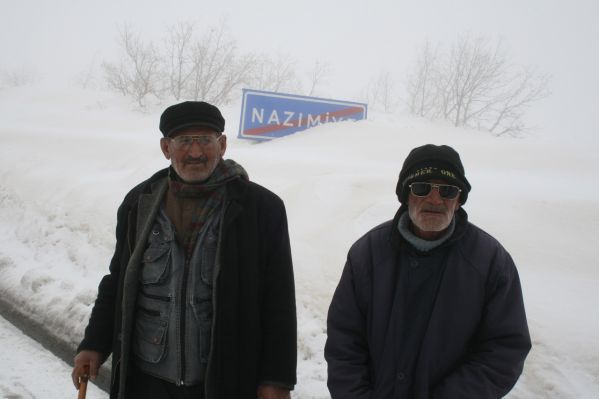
[254,325]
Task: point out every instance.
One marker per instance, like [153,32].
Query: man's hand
[92,360]
[272,392]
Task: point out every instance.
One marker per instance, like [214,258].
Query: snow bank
[68,159]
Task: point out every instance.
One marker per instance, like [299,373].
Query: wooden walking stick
[83,383]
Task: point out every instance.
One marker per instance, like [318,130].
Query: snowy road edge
[57,346]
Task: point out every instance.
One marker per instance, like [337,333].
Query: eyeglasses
[446,191]
[185,142]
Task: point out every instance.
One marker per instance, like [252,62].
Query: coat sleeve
[497,355]
[99,331]
[279,325]
[346,349]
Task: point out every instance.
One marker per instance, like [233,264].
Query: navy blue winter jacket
[473,339]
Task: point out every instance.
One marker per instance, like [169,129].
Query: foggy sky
[358,39]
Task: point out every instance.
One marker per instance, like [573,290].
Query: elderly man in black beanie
[199,301]
[428,305]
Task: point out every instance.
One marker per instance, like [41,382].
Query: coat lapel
[148,206]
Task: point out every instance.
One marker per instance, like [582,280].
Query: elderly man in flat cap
[428,305]
[199,301]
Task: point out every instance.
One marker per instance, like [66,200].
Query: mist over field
[70,152]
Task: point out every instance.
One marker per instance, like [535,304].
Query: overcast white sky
[358,39]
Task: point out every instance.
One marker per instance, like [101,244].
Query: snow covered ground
[68,157]
[28,371]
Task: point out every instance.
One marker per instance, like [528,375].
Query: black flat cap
[189,114]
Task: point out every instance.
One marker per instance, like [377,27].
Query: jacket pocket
[150,338]
[202,311]
[155,264]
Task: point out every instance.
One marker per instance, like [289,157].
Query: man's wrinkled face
[432,214]
[194,152]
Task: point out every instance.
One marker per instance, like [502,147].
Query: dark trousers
[144,386]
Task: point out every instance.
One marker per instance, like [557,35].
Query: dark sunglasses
[446,191]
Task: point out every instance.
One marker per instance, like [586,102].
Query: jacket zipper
[183,315]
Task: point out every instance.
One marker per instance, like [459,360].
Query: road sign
[267,115]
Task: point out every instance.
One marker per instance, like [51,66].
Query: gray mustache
[432,208]
[192,160]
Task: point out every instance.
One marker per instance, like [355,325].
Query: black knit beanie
[432,162]
[191,113]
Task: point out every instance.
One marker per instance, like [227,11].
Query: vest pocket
[202,311]
[155,264]
[150,338]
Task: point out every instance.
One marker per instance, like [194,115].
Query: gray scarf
[422,245]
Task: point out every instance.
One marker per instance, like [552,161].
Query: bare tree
[207,67]
[116,78]
[477,71]
[276,73]
[317,75]
[380,92]
[421,84]
[179,63]
[237,74]
[507,117]
[136,74]
[217,69]
[19,76]
[474,86]
[199,65]
[86,78]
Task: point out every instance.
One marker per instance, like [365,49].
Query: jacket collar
[148,206]
[236,189]
[398,242]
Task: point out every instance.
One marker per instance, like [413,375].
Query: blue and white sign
[267,115]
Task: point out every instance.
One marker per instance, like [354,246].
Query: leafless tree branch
[473,85]
[137,72]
